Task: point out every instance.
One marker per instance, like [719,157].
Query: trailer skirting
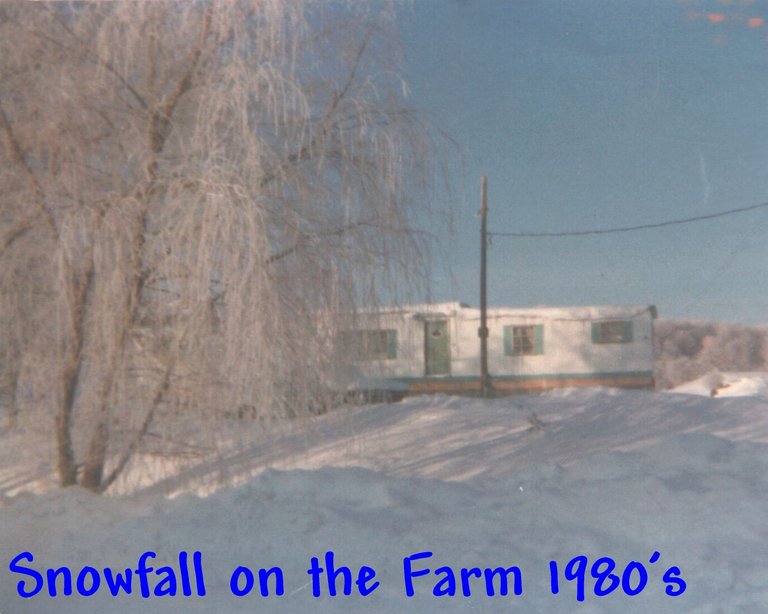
[503,385]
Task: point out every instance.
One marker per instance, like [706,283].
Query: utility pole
[482,332]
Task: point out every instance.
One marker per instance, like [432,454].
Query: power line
[605,231]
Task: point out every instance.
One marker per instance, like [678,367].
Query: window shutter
[391,344]
[539,339]
[507,341]
[628,337]
[595,332]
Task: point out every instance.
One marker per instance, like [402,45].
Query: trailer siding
[528,349]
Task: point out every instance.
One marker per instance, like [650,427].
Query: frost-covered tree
[687,350]
[184,188]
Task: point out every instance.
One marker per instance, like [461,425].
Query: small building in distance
[435,348]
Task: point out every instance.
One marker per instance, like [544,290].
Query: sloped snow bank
[451,438]
[717,384]
[697,500]
[512,482]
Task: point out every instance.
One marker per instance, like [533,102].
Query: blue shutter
[539,339]
[391,344]
[507,341]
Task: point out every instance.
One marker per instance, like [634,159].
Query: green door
[437,348]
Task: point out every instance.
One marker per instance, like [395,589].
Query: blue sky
[596,114]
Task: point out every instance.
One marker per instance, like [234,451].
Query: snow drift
[675,483]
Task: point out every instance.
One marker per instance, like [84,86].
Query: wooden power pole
[482,332]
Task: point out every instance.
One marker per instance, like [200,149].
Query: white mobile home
[436,348]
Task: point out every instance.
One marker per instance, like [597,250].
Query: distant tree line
[686,350]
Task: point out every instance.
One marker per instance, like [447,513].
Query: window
[368,344]
[615,331]
[524,340]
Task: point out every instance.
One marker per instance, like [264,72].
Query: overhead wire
[604,231]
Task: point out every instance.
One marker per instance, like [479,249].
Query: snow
[538,312]
[728,385]
[519,481]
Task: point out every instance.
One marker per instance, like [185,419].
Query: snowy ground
[510,482]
